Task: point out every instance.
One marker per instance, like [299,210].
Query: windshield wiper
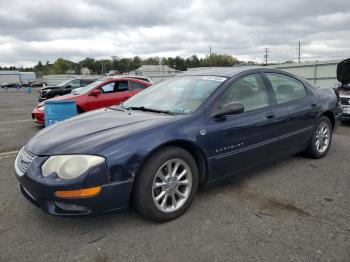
[142,108]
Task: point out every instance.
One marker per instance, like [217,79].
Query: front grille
[23,161]
[345,100]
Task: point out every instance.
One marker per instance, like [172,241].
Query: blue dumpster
[56,111]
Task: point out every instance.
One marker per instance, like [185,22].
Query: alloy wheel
[172,185]
[322,137]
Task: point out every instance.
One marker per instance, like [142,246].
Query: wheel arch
[330,116]
[197,153]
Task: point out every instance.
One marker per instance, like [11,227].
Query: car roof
[111,79]
[222,71]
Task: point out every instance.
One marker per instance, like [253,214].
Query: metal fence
[56,79]
[322,74]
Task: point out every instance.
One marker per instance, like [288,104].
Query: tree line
[123,65]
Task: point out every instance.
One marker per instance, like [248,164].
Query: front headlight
[70,166]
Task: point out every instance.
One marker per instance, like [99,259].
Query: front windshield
[64,82]
[180,95]
[87,88]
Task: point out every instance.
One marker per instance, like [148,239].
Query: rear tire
[321,139]
[166,184]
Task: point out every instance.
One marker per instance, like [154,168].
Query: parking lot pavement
[297,209]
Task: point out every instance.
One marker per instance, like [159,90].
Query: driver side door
[240,141]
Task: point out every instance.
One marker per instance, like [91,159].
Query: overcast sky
[32,30]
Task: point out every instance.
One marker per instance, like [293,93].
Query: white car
[343,75]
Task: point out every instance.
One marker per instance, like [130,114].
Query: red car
[98,94]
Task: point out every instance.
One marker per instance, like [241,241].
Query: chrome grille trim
[345,101]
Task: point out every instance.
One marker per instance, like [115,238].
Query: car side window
[249,91]
[136,85]
[108,88]
[86,82]
[74,83]
[121,86]
[286,88]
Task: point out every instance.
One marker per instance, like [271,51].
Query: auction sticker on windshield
[214,78]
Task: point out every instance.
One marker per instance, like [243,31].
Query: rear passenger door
[295,111]
[136,87]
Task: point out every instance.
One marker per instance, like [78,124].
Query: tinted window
[122,86]
[286,88]
[86,82]
[109,88]
[249,91]
[74,83]
[136,85]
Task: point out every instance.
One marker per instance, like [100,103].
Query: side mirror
[95,92]
[68,86]
[229,109]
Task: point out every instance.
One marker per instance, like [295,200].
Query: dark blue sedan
[156,149]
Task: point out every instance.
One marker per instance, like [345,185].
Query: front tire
[321,139]
[166,184]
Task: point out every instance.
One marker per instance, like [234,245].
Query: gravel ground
[297,209]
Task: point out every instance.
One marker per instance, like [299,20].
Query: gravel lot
[297,209]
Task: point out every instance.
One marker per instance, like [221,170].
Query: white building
[16,76]
[155,72]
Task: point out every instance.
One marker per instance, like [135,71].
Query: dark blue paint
[229,145]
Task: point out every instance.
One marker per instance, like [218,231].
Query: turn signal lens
[80,193]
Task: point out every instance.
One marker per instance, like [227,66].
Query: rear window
[136,85]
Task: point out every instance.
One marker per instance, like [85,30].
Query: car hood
[343,71]
[64,97]
[49,87]
[91,133]
[57,98]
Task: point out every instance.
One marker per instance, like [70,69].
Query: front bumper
[113,195]
[345,115]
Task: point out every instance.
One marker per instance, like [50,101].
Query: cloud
[45,30]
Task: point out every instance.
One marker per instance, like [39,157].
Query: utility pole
[210,56]
[298,51]
[266,55]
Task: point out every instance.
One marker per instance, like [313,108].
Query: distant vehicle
[12,85]
[63,88]
[156,148]
[97,95]
[343,75]
[38,84]
[27,84]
